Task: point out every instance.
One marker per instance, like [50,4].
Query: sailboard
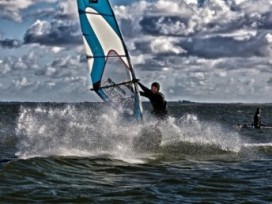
[251,127]
[110,70]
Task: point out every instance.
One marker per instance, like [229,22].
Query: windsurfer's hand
[135,80]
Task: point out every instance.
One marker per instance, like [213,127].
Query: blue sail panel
[111,72]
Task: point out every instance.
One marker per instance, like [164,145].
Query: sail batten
[110,70]
[100,14]
[103,56]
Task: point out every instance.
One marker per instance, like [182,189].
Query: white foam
[190,129]
[257,145]
[66,131]
[70,131]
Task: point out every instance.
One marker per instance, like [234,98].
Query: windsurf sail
[111,72]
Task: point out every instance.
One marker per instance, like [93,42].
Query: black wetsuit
[257,120]
[157,100]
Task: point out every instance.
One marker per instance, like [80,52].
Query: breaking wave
[99,131]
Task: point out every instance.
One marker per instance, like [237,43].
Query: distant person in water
[156,98]
[257,119]
[240,126]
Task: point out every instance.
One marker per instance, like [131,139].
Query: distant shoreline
[184,102]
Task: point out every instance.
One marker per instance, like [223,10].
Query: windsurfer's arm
[146,90]
[143,94]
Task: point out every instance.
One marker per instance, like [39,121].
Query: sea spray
[189,129]
[68,131]
[99,130]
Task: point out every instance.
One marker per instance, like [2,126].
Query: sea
[84,153]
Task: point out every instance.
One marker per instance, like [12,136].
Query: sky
[202,51]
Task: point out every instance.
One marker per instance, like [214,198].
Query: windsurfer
[257,119]
[156,98]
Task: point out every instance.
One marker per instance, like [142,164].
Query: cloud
[218,46]
[56,49]
[269,82]
[62,10]
[220,29]
[5,67]
[22,83]
[10,43]
[63,67]
[268,37]
[38,76]
[12,9]
[56,27]
[165,45]
[67,9]
[219,52]
[53,33]
[185,18]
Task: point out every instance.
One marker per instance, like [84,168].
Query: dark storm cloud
[266,21]
[213,47]
[223,29]
[10,43]
[156,25]
[256,63]
[246,21]
[54,33]
[186,27]
[218,17]
[220,46]
[58,26]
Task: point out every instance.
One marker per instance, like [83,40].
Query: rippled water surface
[71,153]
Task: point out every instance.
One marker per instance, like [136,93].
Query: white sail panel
[106,35]
[89,59]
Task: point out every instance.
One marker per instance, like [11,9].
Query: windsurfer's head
[155,87]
